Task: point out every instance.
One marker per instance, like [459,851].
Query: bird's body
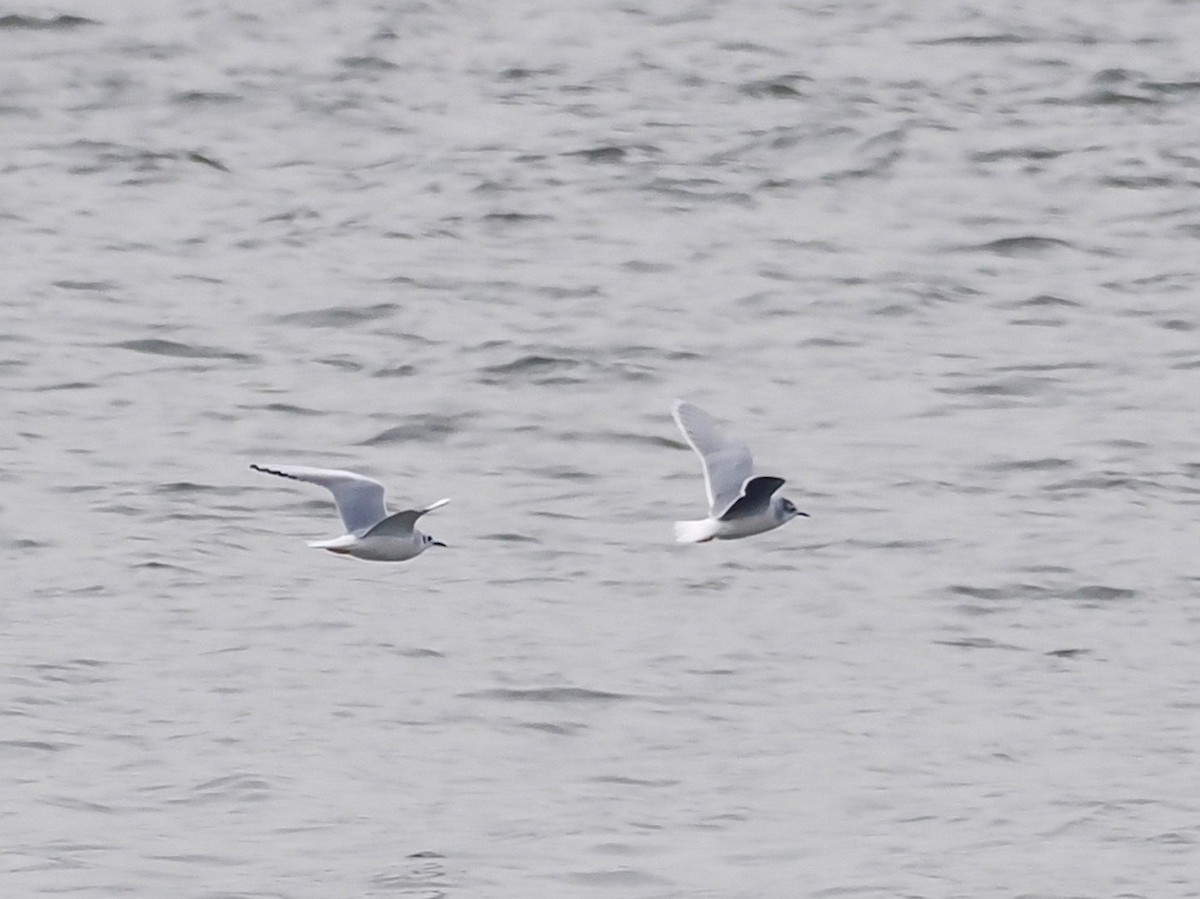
[371,533]
[740,503]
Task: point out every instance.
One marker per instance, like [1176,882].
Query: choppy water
[937,264]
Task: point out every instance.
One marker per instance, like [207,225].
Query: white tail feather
[336,544]
[695,531]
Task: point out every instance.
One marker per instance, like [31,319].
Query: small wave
[158,347]
[549,727]
[193,156]
[342,363]
[623,780]
[514,218]
[1003,387]
[1101,593]
[997,594]
[192,487]
[645,267]
[144,165]
[1039,367]
[548,694]
[396,371]
[531,363]
[509,538]
[35,23]
[285,408]
[1045,300]
[1033,153]
[34,745]
[1025,245]
[201,858]
[1110,97]
[520,73]
[66,385]
[1105,481]
[338,316]
[196,98]
[86,285]
[80,805]
[1171,87]
[603,153]
[425,428]
[1177,324]
[1047,464]
[974,40]
[232,786]
[155,565]
[72,665]
[618,878]
[901,545]
[784,87]
[413,652]
[655,441]
[424,878]
[699,189]
[367,64]
[564,473]
[1083,593]
[537,368]
[978,643]
[829,343]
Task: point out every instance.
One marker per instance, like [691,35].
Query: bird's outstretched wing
[360,500]
[402,523]
[756,496]
[727,462]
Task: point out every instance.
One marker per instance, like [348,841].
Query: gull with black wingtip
[740,503]
[371,533]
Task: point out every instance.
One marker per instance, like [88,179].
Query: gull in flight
[741,504]
[371,533]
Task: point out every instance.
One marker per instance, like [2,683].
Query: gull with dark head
[740,503]
[371,533]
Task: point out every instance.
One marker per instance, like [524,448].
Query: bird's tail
[340,544]
[695,531]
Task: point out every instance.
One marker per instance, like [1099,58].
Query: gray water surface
[937,263]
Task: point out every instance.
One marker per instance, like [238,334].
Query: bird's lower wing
[402,523]
[755,496]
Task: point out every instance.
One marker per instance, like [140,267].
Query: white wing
[360,500]
[727,462]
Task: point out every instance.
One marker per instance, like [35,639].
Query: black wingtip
[265,470]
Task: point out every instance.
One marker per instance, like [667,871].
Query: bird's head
[429,541]
[788,511]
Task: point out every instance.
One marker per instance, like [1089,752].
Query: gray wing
[360,500]
[727,462]
[402,523]
[755,498]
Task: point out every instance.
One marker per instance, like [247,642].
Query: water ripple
[339,316]
[159,347]
[548,694]
[421,429]
[62,22]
